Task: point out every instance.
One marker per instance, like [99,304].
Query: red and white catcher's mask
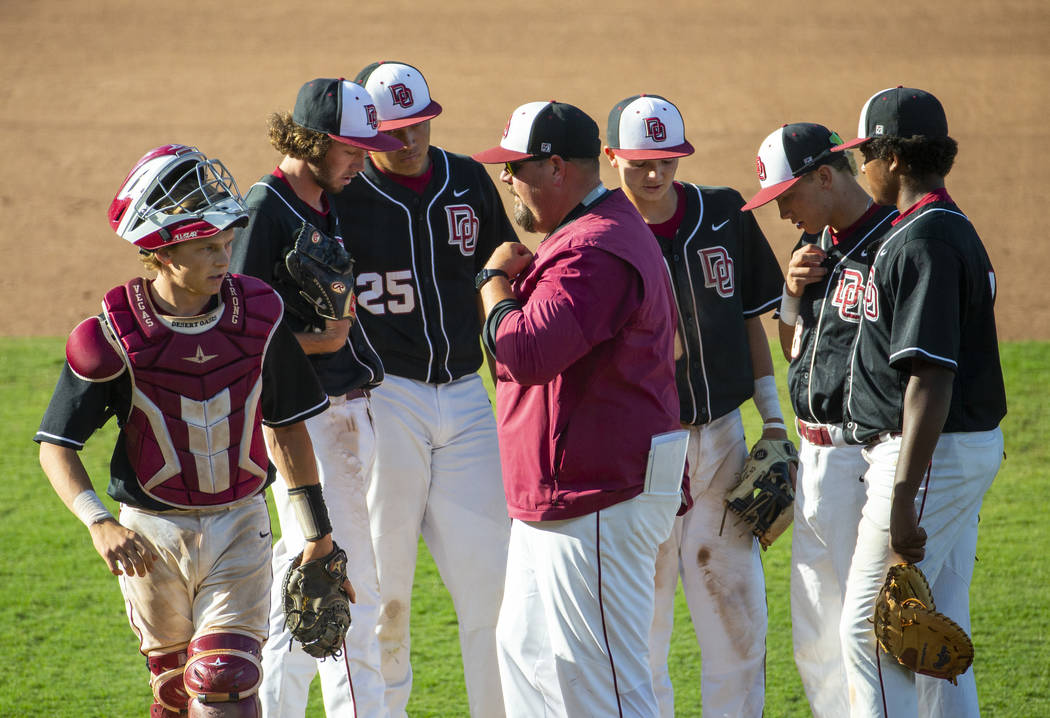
[174,194]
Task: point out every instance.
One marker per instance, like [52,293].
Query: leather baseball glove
[323,271]
[764,498]
[909,628]
[316,607]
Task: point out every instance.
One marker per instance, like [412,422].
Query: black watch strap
[485,275]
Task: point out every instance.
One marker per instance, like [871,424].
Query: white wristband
[766,399]
[789,307]
[774,424]
[89,508]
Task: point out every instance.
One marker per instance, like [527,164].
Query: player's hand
[321,548]
[907,538]
[511,257]
[774,433]
[124,551]
[804,268]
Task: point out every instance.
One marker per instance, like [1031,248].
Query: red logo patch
[655,129]
[848,295]
[370,116]
[506,130]
[462,228]
[718,270]
[760,168]
[871,298]
[401,95]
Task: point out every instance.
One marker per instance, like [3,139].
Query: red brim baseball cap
[344,111]
[647,127]
[544,129]
[899,112]
[401,94]
[786,155]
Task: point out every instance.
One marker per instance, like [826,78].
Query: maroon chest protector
[194,435]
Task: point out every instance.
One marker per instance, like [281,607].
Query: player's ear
[825,175]
[610,154]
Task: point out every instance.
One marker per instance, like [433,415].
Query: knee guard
[169,693]
[223,668]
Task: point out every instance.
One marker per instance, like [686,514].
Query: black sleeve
[78,408]
[257,247]
[761,279]
[495,225]
[291,391]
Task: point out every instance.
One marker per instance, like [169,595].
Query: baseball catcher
[909,628]
[323,271]
[315,605]
[764,498]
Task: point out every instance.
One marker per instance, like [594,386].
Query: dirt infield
[89,86]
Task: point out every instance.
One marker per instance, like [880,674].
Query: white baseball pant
[722,580]
[437,472]
[352,685]
[829,496]
[573,629]
[963,467]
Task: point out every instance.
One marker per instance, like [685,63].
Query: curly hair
[296,141]
[919,155]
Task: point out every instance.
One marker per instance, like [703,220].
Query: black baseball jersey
[275,215]
[722,272]
[416,256]
[930,295]
[829,314]
[290,393]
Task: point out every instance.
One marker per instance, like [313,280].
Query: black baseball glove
[316,607]
[324,273]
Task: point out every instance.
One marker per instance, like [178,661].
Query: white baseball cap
[647,127]
[787,154]
[400,92]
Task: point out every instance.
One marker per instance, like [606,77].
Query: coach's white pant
[962,469]
[352,685]
[829,497]
[578,602]
[437,472]
[722,580]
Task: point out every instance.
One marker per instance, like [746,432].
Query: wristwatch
[485,275]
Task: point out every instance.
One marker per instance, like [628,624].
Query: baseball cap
[400,92]
[786,155]
[544,129]
[899,112]
[647,127]
[342,110]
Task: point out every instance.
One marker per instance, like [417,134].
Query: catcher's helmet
[173,194]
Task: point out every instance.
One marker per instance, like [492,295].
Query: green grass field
[68,650]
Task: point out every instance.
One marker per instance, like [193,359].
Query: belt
[358,394]
[814,433]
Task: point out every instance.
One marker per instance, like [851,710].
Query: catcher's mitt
[323,271]
[764,498]
[909,628]
[316,607]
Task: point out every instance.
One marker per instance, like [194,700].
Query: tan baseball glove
[909,628]
[764,498]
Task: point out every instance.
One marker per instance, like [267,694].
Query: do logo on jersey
[462,228]
[718,270]
[656,129]
[871,298]
[401,95]
[848,295]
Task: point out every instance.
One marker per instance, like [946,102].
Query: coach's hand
[124,551]
[511,257]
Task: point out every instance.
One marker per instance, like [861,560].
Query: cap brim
[498,154]
[768,194]
[379,143]
[428,113]
[850,145]
[683,150]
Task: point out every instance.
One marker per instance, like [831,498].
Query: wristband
[789,307]
[766,399]
[774,424]
[89,508]
[310,510]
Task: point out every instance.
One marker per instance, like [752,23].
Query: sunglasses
[514,167]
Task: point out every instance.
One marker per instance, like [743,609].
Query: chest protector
[194,434]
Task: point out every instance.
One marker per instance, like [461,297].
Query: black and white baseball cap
[342,110]
[542,129]
[787,154]
[400,92]
[647,127]
[899,112]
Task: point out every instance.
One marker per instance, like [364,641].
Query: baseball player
[817,191]
[420,222]
[324,141]
[924,394]
[724,277]
[582,332]
[202,375]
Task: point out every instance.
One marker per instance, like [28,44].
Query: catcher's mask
[174,194]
